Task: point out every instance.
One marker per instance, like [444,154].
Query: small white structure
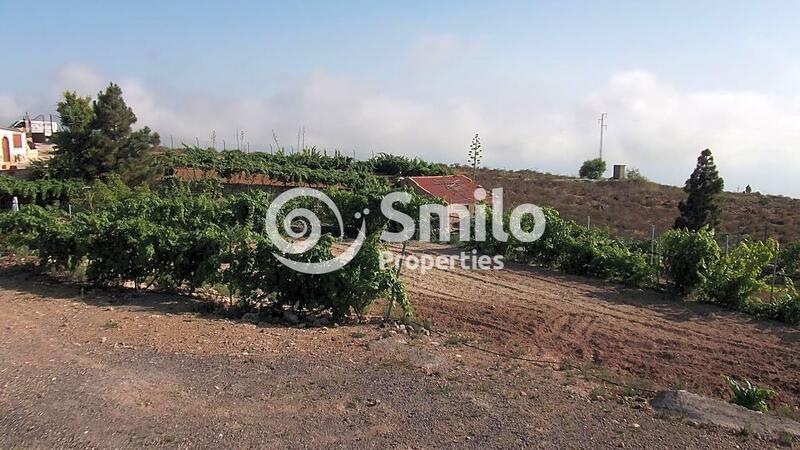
[14,148]
[40,129]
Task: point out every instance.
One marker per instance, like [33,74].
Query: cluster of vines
[309,166]
[180,240]
[40,192]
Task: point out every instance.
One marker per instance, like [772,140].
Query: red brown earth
[121,369]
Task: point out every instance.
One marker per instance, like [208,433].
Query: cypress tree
[703,187]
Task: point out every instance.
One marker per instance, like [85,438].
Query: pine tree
[703,187]
[76,114]
[99,139]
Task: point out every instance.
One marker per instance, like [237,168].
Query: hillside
[630,208]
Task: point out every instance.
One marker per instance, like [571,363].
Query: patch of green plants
[308,166]
[739,275]
[190,241]
[748,395]
[688,257]
[38,192]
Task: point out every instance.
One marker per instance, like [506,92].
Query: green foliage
[747,395]
[701,207]
[39,192]
[592,169]
[687,257]
[99,140]
[182,240]
[789,259]
[783,307]
[398,165]
[306,167]
[633,174]
[573,249]
[75,111]
[738,276]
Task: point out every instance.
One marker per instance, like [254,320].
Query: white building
[40,128]
[14,149]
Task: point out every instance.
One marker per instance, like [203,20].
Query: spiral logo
[310,231]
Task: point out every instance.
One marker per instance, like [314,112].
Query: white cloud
[77,77]
[437,50]
[9,108]
[662,129]
[653,125]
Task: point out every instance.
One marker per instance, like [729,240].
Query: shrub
[592,169]
[573,249]
[737,276]
[784,307]
[687,258]
[789,259]
[633,174]
[749,396]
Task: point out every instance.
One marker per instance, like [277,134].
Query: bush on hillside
[633,174]
[592,169]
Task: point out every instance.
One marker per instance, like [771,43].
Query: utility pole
[603,126]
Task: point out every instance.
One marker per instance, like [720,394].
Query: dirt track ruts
[635,333]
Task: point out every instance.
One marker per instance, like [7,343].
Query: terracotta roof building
[453,189]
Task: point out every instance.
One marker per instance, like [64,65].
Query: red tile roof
[454,189]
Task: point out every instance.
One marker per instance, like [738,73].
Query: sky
[421,78]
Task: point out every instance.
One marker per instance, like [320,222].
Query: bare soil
[120,369]
[643,335]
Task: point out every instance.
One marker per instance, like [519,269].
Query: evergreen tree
[75,111]
[76,114]
[703,187]
[99,140]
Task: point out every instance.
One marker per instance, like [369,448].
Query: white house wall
[22,151]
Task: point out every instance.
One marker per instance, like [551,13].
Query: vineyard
[175,239]
[307,167]
[194,240]
[188,235]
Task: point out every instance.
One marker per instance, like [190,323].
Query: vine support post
[653,245]
[774,272]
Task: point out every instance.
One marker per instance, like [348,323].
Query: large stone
[251,317]
[699,409]
[291,317]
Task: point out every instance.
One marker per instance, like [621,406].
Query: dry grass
[630,208]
